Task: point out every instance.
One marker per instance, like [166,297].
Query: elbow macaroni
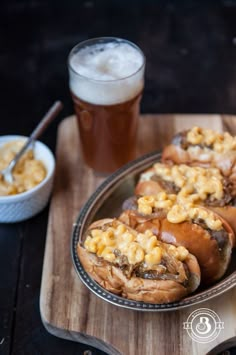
[200,181]
[221,142]
[160,201]
[179,209]
[137,247]
[28,172]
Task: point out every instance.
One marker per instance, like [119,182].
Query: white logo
[203,325]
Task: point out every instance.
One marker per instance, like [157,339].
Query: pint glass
[106,79]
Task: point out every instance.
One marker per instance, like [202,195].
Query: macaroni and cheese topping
[181,213]
[178,209]
[219,142]
[194,182]
[27,173]
[162,200]
[117,242]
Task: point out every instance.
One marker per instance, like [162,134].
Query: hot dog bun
[198,181]
[205,148]
[212,250]
[113,277]
[146,186]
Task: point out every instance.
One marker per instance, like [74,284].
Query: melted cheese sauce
[27,173]
[137,247]
[194,182]
[219,142]
[178,209]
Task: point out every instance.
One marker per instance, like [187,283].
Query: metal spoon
[39,129]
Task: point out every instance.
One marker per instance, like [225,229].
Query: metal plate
[106,202]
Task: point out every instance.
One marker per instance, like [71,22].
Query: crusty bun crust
[174,154]
[136,288]
[213,261]
[228,214]
[148,187]
[114,280]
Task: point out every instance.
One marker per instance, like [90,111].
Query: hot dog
[199,185]
[206,148]
[205,234]
[136,265]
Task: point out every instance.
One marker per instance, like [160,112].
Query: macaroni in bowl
[27,173]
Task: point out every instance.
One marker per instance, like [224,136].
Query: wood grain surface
[68,309]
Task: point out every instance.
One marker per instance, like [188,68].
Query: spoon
[39,129]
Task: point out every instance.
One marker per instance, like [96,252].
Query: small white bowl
[15,208]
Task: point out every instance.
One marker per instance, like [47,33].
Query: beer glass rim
[101,39]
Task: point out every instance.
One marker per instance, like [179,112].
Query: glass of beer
[106,78]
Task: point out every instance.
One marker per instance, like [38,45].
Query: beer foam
[107,74]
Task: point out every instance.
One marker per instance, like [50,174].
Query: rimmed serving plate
[106,202]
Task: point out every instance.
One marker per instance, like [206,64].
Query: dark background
[190,48]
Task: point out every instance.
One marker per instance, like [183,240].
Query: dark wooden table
[191,67]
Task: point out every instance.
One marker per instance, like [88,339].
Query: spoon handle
[39,129]
[46,120]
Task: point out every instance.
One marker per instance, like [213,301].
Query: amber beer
[106,82]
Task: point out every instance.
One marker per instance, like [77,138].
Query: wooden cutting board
[68,309]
